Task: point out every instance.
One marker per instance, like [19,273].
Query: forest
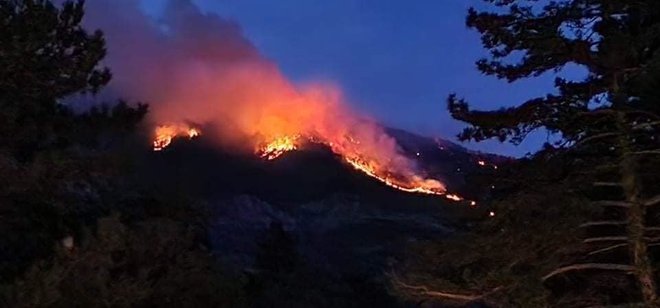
[89,219]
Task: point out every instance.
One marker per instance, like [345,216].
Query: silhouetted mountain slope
[346,224]
[444,159]
[309,173]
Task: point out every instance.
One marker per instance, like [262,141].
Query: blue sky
[396,60]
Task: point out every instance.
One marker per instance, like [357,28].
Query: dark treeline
[77,230]
[82,222]
[575,225]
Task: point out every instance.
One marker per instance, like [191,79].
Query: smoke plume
[195,67]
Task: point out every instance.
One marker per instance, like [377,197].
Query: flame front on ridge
[272,150]
[412,184]
[277,147]
[164,134]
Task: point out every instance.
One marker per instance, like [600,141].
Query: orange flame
[207,72]
[277,147]
[411,183]
[417,185]
[164,134]
[254,107]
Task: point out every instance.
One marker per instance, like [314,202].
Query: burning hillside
[164,134]
[277,147]
[203,70]
[403,180]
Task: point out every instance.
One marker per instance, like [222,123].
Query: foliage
[45,56]
[504,256]
[155,262]
[617,42]
[608,121]
[281,277]
[57,164]
[64,169]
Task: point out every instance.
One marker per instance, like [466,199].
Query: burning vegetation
[164,134]
[402,179]
[220,79]
[277,147]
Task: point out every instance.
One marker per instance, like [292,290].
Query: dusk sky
[396,60]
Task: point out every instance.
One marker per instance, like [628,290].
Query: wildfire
[277,147]
[454,197]
[430,187]
[164,134]
[248,103]
[484,163]
[411,183]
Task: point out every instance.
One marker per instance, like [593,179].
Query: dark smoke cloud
[188,65]
[146,55]
[196,67]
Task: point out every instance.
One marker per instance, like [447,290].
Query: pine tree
[55,162]
[45,57]
[616,41]
[613,110]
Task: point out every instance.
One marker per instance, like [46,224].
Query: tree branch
[652,201]
[603,223]
[646,125]
[595,137]
[606,249]
[611,203]
[607,184]
[652,239]
[631,305]
[424,290]
[585,266]
[656,152]
[605,239]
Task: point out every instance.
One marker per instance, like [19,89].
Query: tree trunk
[636,216]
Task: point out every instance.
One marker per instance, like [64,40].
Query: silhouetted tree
[156,262]
[611,112]
[45,57]
[615,41]
[55,163]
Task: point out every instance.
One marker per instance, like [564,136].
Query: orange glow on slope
[411,182]
[252,107]
[164,134]
[277,147]
[205,71]
[418,185]
[403,180]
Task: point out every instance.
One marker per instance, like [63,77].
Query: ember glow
[277,147]
[164,134]
[454,197]
[417,185]
[404,181]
